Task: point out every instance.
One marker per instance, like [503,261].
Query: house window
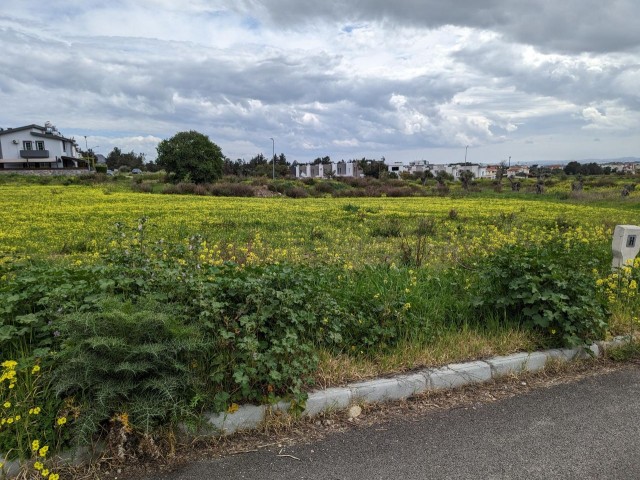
[27,145]
[64,146]
[39,145]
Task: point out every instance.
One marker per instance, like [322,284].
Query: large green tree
[191,156]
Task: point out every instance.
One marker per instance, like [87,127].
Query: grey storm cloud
[568,25]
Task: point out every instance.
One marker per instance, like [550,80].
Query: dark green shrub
[265,329]
[127,358]
[550,288]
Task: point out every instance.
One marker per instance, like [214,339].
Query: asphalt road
[586,429]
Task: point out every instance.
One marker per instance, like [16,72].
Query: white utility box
[625,245]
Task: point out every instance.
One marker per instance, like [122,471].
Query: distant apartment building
[324,170]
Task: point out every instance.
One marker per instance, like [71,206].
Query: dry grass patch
[450,347]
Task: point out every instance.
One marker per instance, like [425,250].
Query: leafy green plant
[265,322]
[551,288]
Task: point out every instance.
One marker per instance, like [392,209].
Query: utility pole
[273,156]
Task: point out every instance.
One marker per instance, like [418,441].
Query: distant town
[356,168]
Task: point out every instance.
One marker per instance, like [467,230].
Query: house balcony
[34,153]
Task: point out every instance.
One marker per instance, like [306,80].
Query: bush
[232,190]
[549,288]
[296,192]
[185,188]
[142,187]
[324,187]
[126,358]
[265,331]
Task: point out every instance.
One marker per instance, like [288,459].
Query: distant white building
[628,167]
[33,146]
[518,171]
[455,169]
[324,170]
[418,166]
[396,167]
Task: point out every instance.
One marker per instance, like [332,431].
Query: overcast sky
[403,79]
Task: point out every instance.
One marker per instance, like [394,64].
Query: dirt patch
[264,192]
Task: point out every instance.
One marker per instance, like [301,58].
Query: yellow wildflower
[35,445]
[38,466]
[61,420]
[43,451]
[35,369]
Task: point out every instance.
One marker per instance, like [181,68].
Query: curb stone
[459,374]
[386,389]
[327,400]
[404,386]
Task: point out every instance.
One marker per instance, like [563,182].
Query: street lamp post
[465,153]
[273,156]
[92,158]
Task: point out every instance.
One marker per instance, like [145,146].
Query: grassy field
[79,221]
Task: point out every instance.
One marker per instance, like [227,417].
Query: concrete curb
[404,386]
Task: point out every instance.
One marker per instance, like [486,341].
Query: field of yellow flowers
[78,222]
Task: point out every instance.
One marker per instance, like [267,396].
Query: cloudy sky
[403,79]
